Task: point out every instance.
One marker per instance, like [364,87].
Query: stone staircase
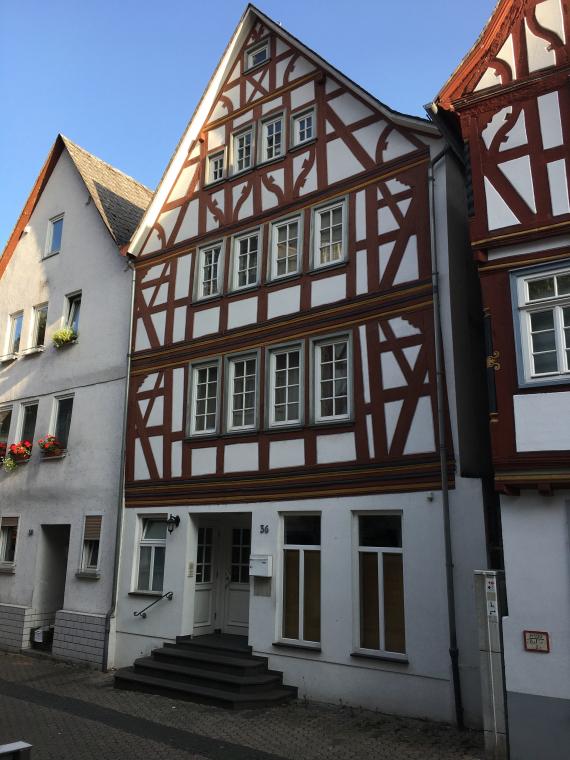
[215,669]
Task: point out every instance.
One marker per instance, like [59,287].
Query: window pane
[543,341]
[394,632]
[144,568]
[541,288]
[41,321]
[542,320]
[56,230]
[91,553]
[545,362]
[380,530]
[29,423]
[291,594]
[158,569]
[369,614]
[563,284]
[16,332]
[5,420]
[312,597]
[155,529]
[303,530]
[64,409]
[74,311]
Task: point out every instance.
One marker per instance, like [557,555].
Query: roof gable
[521,38]
[222,100]
[119,199]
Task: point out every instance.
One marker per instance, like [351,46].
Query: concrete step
[200,677]
[127,678]
[228,663]
[230,644]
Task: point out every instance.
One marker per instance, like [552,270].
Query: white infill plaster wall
[540,423]
[46,494]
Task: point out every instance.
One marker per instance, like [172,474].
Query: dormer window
[55,232]
[257,55]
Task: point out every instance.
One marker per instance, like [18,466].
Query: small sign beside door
[536,641]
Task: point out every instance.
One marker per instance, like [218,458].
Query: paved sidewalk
[69,713]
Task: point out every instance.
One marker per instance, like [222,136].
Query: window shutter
[9,522]
[92,528]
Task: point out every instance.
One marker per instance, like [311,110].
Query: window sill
[50,255]
[47,458]
[214,183]
[88,575]
[206,299]
[402,659]
[244,289]
[152,594]
[300,146]
[283,278]
[7,568]
[528,384]
[291,645]
[33,351]
[326,267]
[268,161]
[8,358]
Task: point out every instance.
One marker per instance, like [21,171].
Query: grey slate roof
[120,199]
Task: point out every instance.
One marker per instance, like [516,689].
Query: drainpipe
[442,446]
[120,500]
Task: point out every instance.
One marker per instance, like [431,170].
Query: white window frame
[265,123]
[235,149]
[49,236]
[271,353]
[4,542]
[229,376]
[20,428]
[273,275]
[214,155]
[55,414]
[234,285]
[83,566]
[153,543]
[380,551]
[8,408]
[194,369]
[37,309]
[316,233]
[70,301]
[523,308]
[305,643]
[316,345]
[12,319]
[295,119]
[198,294]
[251,51]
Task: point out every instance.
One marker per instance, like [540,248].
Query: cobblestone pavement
[70,713]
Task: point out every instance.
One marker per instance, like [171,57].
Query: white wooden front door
[236,546]
[221,597]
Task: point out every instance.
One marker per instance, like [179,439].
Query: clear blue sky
[122,77]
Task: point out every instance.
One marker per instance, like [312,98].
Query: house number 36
[264,528]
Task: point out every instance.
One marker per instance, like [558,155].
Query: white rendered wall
[420,687]
[87,480]
[536,539]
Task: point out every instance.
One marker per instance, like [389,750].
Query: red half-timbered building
[283,393]
[509,100]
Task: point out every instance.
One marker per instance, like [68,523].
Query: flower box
[51,448]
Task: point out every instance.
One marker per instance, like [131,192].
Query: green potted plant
[50,446]
[64,336]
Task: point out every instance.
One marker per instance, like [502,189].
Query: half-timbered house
[510,103]
[65,297]
[290,460]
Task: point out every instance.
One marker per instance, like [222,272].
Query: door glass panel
[380,530]
[369,612]
[312,597]
[303,530]
[394,631]
[204,555]
[291,594]
[241,549]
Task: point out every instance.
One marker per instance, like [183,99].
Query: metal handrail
[142,613]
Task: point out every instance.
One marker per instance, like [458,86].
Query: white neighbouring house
[62,267]
[283,392]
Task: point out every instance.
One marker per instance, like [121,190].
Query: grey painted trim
[228,392]
[343,200]
[313,342]
[190,407]
[270,276]
[300,345]
[538,727]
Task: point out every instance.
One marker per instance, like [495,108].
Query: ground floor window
[8,535]
[302,578]
[152,551]
[91,539]
[381,583]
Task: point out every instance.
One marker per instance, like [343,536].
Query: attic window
[55,230]
[257,55]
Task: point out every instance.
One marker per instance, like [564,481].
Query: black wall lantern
[172,522]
